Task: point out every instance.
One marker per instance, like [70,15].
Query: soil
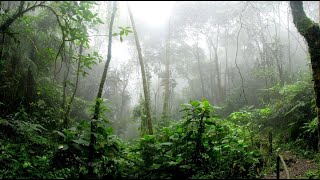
[297,167]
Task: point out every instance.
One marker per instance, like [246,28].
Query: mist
[105,81]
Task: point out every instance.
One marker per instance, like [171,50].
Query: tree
[20,12]
[98,102]
[311,32]
[144,77]
[165,111]
[217,69]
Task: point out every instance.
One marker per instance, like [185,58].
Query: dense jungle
[159,89]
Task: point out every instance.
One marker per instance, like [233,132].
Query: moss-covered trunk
[144,76]
[311,32]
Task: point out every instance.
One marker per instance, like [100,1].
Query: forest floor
[298,167]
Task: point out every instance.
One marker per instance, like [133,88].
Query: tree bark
[311,32]
[143,73]
[97,105]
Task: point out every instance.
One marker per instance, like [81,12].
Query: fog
[263,26]
[251,41]
[168,89]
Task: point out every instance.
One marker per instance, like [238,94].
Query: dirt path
[297,167]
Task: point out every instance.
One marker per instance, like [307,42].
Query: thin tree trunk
[211,73]
[277,49]
[97,105]
[289,56]
[66,120]
[226,72]
[167,78]
[217,69]
[199,67]
[65,60]
[311,32]
[144,78]
[122,97]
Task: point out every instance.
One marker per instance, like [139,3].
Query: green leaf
[210,123]
[60,133]
[205,104]
[109,130]
[173,163]
[156,166]
[195,103]
[81,141]
[166,144]
[185,166]
[179,159]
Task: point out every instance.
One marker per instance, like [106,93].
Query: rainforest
[159,89]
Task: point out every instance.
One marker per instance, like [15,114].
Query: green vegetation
[53,124]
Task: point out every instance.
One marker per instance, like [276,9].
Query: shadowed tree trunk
[144,77]
[97,105]
[311,32]
[123,98]
[66,60]
[66,117]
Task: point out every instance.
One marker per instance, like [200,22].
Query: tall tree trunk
[277,48]
[143,73]
[123,99]
[289,55]
[66,120]
[199,67]
[226,82]
[319,12]
[30,89]
[165,111]
[65,59]
[311,32]
[217,69]
[97,105]
[211,72]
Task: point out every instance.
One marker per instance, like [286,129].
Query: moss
[300,19]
